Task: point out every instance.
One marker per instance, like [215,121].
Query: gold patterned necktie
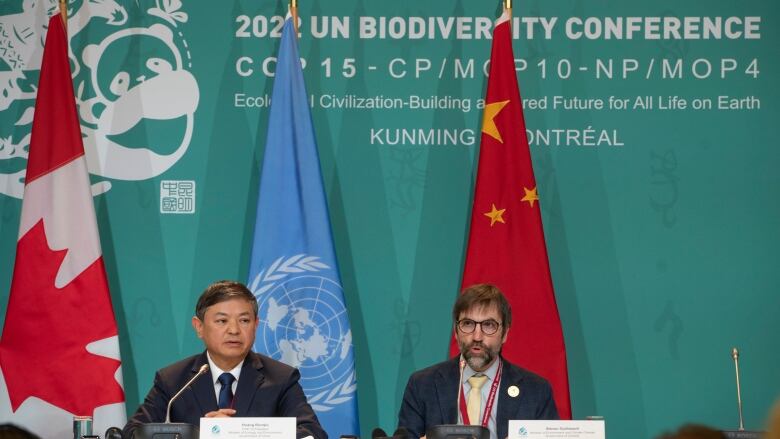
[474,401]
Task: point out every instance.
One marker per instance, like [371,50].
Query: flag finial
[294,13]
[64,13]
[508,7]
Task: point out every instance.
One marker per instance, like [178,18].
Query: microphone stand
[735,356]
[741,433]
[203,369]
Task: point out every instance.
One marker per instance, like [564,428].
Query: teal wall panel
[663,249]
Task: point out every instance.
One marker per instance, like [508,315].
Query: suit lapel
[250,379]
[508,406]
[447,391]
[203,387]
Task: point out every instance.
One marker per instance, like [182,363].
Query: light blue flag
[293,270]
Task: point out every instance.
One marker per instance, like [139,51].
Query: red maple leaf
[43,348]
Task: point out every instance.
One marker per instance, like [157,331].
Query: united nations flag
[293,271]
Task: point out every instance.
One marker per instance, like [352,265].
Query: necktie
[226,391]
[474,401]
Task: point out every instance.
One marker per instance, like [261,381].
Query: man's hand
[221,413]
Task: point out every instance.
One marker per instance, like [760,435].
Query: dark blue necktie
[226,391]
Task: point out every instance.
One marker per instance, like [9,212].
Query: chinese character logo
[177,196]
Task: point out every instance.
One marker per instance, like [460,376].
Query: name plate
[557,429]
[260,428]
[743,434]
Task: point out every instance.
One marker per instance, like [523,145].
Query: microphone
[113,433]
[203,369]
[462,365]
[735,356]
[401,433]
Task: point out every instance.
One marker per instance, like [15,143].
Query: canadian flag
[59,351]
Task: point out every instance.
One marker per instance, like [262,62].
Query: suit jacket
[265,387]
[431,398]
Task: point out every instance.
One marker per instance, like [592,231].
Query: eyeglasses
[489,327]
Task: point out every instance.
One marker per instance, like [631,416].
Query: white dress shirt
[216,372]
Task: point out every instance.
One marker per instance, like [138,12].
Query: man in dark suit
[491,390]
[239,382]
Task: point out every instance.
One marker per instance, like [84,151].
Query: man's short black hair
[222,291]
[11,431]
[483,295]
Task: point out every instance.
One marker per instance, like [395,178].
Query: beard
[477,362]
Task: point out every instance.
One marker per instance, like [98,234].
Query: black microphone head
[113,433]
[378,433]
[401,433]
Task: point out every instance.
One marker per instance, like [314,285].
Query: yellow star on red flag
[495,215]
[488,124]
[530,196]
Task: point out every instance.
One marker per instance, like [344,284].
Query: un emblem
[304,323]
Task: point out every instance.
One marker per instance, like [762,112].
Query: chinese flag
[506,241]
[59,351]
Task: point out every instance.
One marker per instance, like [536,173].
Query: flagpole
[508,7]
[294,12]
[64,13]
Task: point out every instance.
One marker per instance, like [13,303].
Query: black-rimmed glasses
[467,326]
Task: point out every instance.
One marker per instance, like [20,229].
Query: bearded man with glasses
[477,387]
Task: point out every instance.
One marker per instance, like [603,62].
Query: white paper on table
[557,429]
[258,428]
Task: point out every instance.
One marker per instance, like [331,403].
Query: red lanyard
[491,399]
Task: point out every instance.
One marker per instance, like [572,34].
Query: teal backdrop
[655,149]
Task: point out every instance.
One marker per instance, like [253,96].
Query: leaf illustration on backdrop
[169,11]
